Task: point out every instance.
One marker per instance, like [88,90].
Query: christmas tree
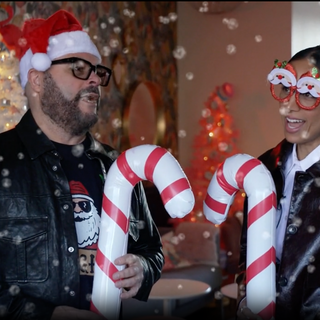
[13,103]
[216,141]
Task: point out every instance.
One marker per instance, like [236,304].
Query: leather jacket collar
[37,143]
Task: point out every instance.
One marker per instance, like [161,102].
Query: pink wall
[205,38]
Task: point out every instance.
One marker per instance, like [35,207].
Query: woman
[295,167]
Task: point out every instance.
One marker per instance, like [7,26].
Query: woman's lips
[294,125]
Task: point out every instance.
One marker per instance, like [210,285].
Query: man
[52,179]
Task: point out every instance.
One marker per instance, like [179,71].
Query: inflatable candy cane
[144,162]
[242,171]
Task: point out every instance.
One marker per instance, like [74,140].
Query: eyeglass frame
[294,88]
[93,68]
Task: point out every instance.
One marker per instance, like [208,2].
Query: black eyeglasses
[82,69]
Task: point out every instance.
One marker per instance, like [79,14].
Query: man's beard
[63,112]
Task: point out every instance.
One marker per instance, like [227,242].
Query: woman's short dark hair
[312,53]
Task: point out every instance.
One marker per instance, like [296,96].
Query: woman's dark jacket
[298,274]
[39,266]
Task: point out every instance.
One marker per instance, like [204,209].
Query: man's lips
[90,97]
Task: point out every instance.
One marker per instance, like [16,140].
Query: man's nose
[94,78]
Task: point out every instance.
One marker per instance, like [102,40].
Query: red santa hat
[78,190]
[44,40]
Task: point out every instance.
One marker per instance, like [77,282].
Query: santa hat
[78,190]
[44,40]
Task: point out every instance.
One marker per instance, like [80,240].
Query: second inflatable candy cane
[144,162]
[242,171]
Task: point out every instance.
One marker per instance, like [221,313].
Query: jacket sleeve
[15,305]
[144,240]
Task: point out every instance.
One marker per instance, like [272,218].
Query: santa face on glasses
[283,84]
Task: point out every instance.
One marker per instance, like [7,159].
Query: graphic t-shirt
[86,185]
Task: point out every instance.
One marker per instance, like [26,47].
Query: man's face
[70,103]
[65,113]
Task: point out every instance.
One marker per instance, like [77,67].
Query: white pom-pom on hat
[40,61]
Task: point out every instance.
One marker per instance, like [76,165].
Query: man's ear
[35,79]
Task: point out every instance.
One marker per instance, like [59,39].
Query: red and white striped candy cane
[144,162]
[242,171]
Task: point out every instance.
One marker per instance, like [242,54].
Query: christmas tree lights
[13,103]
[216,141]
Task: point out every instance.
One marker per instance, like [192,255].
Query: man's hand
[69,313]
[244,313]
[131,277]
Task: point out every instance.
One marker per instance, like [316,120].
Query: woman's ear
[35,79]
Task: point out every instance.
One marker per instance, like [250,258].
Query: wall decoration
[150,129]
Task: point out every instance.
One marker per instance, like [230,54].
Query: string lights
[216,141]
[13,103]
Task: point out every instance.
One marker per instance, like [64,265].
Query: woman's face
[301,126]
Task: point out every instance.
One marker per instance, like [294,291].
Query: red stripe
[215,205]
[244,170]
[105,264]
[93,308]
[228,188]
[126,170]
[152,162]
[268,312]
[173,189]
[115,214]
[261,208]
[261,263]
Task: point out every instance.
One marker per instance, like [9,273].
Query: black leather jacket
[39,267]
[298,275]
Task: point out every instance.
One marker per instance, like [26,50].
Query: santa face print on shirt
[87,221]
[86,188]
[86,217]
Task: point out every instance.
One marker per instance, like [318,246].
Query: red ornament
[228,89]
[10,33]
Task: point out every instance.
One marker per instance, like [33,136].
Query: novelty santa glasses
[283,84]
